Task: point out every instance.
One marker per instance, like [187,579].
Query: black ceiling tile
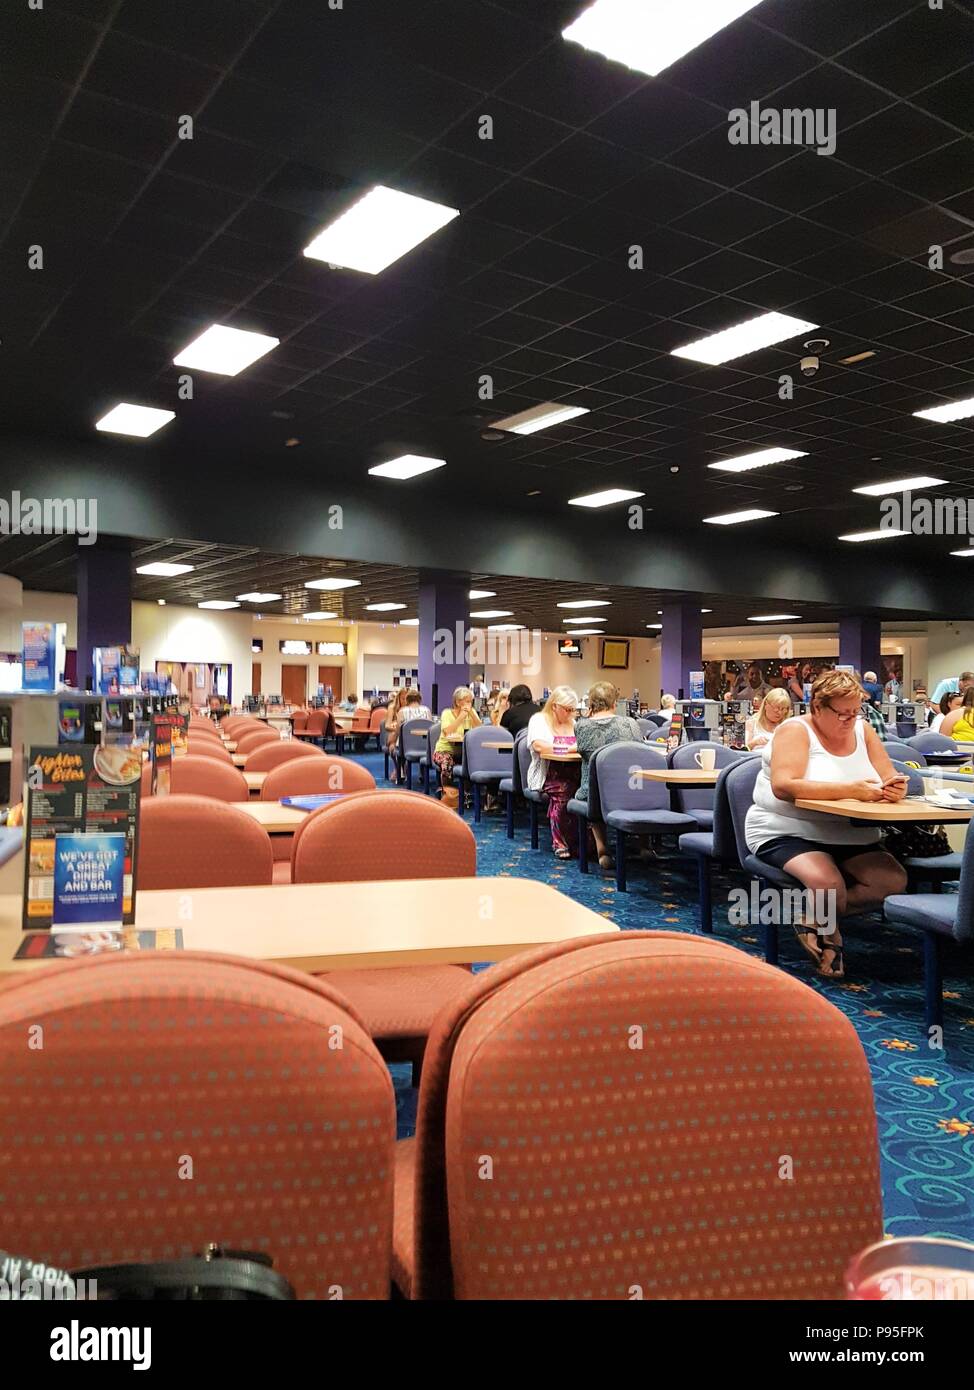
[913,235]
[518,137]
[562,306]
[939,175]
[49,43]
[919,336]
[544,261]
[829,28]
[188,201]
[211,33]
[102,124]
[500,289]
[581,373]
[598,231]
[661,193]
[920,48]
[746,65]
[802,181]
[583,161]
[938,301]
[737,217]
[963,321]
[571,342]
[242,257]
[830,88]
[656,119]
[894,282]
[893,137]
[723,271]
[528,206]
[712,156]
[950,99]
[170,83]
[513,329]
[569,84]
[870,205]
[452,179]
[616,321]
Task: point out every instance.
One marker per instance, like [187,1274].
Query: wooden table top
[678,776]
[563,758]
[239,759]
[275,818]
[335,926]
[254,780]
[911,809]
[509,746]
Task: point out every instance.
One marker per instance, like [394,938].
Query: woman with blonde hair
[454,723]
[555,765]
[826,755]
[396,704]
[602,727]
[760,727]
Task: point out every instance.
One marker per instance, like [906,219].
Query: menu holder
[56,945]
[73,793]
[161,750]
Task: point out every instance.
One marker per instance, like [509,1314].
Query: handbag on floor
[907,841]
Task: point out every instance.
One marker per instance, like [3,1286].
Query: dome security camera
[809,366]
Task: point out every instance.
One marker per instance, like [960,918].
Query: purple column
[859,643]
[682,649]
[104,603]
[444,607]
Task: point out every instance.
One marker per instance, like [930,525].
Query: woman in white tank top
[827,755]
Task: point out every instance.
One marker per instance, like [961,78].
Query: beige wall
[581,672]
[174,633]
[950,650]
[42,607]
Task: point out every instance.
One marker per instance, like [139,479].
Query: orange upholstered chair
[308,776]
[146,780]
[316,725]
[197,776]
[270,755]
[196,721]
[639,1095]
[389,835]
[208,748]
[299,719]
[197,842]
[309,1182]
[253,738]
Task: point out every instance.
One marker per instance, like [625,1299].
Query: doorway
[332,676]
[255,678]
[294,684]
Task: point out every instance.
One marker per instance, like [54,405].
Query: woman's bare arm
[789,760]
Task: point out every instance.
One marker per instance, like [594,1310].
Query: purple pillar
[444,607]
[682,649]
[859,643]
[104,603]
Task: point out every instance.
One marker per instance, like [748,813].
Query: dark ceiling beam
[145,493]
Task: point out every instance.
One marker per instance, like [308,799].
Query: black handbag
[217,1275]
[916,841]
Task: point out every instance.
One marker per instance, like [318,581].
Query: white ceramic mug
[706,758]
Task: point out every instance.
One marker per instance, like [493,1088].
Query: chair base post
[706,900]
[933,981]
[409,776]
[533,813]
[771,943]
[582,843]
[510,815]
[621,860]
[476,802]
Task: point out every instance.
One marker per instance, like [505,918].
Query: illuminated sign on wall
[294,647]
[331,648]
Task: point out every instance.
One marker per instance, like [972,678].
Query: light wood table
[336,926]
[509,747]
[275,818]
[230,744]
[563,758]
[677,776]
[254,780]
[910,810]
[239,759]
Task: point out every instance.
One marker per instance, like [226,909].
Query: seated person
[827,755]
[520,708]
[413,708]
[350,704]
[454,723]
[950,702]
[551,737]
[959,723]
[776,707]
[666,707]
[602,727]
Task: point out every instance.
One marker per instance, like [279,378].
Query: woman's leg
[560,789]
[817,871]
[871,877]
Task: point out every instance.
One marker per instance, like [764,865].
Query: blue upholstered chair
[896,748]
[522,752]
[935,869]
[587,810]
[939,917]
[714,846]
[483,766]
[632,806]
[412,750]
[934,743]
[698,802]
[510,786]
[740,779]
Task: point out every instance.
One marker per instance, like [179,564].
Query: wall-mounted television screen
[569,646]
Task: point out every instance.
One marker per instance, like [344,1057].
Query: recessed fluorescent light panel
[586,632]
[219,603]
[482,593]
[409,622]
[225,351]
[137,420]
[406,466]
[383,607]
[320,617]
[332,583]
[956,410]
[493,613]
[586,603]
[760,459]
[505,627]
[899,485]
[592,618]
[649,35]
[882,535]
[604,499]
[654,625]
[750,336]
[378,229]
[776,618]
[164,570]
[540,417]
[258,597]
[962,552]
[735,518]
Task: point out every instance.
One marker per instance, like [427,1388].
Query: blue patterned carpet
[924,1098]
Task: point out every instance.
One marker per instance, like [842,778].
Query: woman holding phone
[827,755]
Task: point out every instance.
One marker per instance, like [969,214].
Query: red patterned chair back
[208,776]
[270,755]
[136,1133]
[197,842]
[654,1111]
[309,776]
[387,835]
